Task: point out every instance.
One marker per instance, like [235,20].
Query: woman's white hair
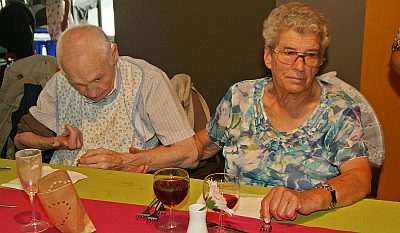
[300,17]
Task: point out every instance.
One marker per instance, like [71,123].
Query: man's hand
[108,159]
[284,204]
[70,139]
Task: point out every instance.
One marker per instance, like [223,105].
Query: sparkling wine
[29,166]
[29,171]
[171,191]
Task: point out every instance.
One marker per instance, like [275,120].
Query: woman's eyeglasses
[288,57]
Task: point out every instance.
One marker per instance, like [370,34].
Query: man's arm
[353,184]
[32,134]
[206,148]
[180,154]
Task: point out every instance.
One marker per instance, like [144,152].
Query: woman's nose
[299,64]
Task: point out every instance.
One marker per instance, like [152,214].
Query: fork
[146,212]
[162,209]
[266,227]
[154,215]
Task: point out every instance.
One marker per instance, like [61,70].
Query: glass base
[35,227]
[172,227]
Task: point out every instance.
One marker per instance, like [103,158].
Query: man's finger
[134,150]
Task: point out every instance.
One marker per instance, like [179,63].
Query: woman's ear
[115,54]
[267,57]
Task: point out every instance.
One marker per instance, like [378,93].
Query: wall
[216,42]
[382,87]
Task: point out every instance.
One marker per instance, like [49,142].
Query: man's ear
[115,54]
[267,57]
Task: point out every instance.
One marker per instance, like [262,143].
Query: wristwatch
[332,191]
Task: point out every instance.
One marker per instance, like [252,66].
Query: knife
[9,206]
[5,168]
[213,225]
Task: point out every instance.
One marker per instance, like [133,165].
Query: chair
[198,114]
[373,134]
[23,81]
[39,11]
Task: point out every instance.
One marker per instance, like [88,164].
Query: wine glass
[171,186]
[29,166]
[229,188]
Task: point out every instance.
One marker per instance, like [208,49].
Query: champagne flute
[229,188]
[171,186]
[29,166]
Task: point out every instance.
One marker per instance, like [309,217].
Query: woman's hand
[284,204]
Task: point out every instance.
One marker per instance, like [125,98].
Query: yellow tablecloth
[368,215]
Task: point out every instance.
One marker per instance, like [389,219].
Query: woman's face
[297,77]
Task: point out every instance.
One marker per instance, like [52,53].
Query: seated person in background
[395,57]
[59,17]
[17,26]
[291,131]
[99,105]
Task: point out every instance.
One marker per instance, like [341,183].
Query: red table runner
[109,217]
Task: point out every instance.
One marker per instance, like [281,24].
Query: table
[367,215]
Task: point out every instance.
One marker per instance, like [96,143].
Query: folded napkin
[16,184]
[248,205]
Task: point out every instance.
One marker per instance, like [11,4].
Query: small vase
[197,219]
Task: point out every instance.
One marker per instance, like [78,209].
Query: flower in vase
[216,200]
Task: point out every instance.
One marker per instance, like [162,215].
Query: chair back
[26,75]
[198,115]
[192,101]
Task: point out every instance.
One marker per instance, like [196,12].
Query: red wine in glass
[171,186]
[231,201]
[171,191]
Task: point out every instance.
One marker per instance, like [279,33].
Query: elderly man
[101,105]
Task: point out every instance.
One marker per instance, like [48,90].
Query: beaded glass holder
[62,203]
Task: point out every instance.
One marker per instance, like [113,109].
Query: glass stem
[171,217]
[31,199]
[221,220]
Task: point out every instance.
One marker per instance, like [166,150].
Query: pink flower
[216,200]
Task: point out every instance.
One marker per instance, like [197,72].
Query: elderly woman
[292,132]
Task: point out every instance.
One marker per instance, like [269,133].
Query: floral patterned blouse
[309,155]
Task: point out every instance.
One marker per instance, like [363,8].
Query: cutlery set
[159,209]
[8,206]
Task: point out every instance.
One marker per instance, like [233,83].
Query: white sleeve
[166,115]
[45,110]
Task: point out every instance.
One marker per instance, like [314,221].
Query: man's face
[92,79]
[296,77]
